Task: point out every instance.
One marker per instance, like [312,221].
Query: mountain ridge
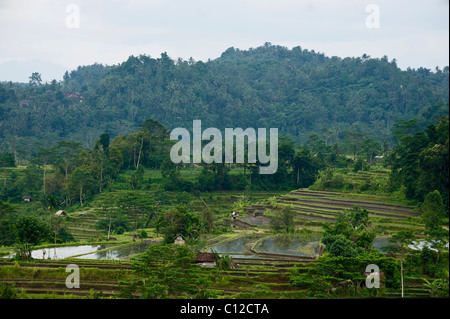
[300,92]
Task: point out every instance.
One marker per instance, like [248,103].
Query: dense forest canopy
[300,92]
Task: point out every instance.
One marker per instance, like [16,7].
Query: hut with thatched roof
[205,260]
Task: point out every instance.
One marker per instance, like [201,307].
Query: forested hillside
[298,91]
[362,176]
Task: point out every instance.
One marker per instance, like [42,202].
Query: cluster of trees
[65,173]
[298,91]
[351,235]
[26,230]
[283,221]
[348,242]
[169,271]
[348,251]
[341,276]
[183,221]
[7,159]
[296,168]
[420,162]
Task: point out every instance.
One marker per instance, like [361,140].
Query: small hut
[60,213]
[27,198]
[179,241]
[205,260]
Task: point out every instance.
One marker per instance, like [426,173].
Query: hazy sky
[42,32]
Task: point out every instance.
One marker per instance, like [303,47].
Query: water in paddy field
[294,245]
[231,246]
[285,244]
[107,252]
[63,252]
[237,247]
[118,253]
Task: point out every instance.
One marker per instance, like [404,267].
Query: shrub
[7,291]
[143,234]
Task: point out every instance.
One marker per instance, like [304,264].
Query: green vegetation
[169,271]
[364,167]
[299,91]
[351,235]
[421,158]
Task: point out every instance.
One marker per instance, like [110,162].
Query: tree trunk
[109,228]
[81,195]
[401,273]
[140,151]
[66,170]
[101,178]
[44,178]
[135,226]
[14,150]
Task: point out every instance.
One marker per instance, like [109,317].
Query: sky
[52,36]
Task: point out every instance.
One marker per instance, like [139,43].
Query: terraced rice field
[314,207]
[267,277]
[47,279]
[82,225]
[101,279]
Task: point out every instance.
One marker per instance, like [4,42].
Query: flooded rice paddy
[103,251]
[245,246]
[249,246]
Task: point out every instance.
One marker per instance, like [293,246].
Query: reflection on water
[239,245]
[230,246]
[108,252]
[118,253]
[289,245]
[296,245]
[63,252]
